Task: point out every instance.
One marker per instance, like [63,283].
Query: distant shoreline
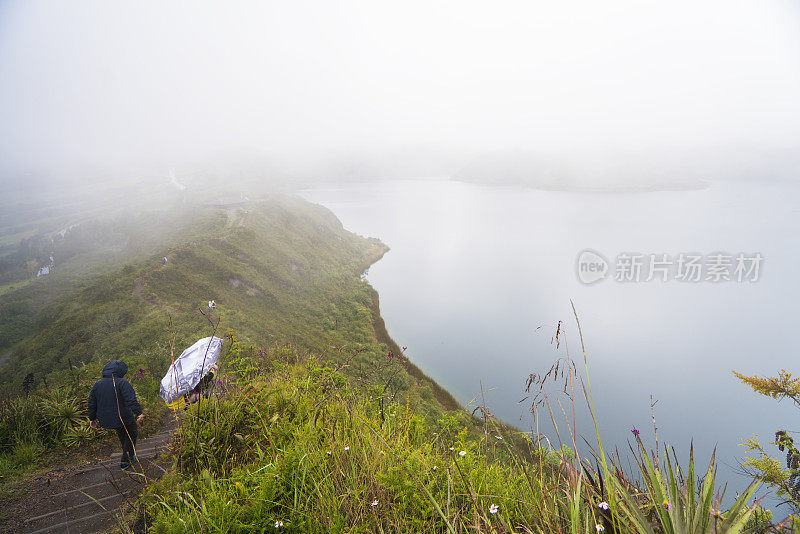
[693,185]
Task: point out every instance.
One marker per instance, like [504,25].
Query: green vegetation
[317,421]
[37,427]
[306,444]
[281,271]
[90,249]
[783,477]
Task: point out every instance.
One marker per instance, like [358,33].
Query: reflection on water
[474,270]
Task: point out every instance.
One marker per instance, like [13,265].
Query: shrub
[80,434]
[20,420]
[61,411]
[26,453]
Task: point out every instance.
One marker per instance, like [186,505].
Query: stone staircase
[90,498]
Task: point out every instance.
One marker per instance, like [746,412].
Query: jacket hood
[115,368]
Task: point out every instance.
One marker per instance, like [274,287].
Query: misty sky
[109,83]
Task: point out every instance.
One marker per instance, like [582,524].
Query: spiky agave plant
[61,411]
[80,434]
[667,503]
[676,506]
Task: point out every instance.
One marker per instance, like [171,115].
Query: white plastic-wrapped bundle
[189,368]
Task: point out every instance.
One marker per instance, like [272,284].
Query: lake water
[474,270]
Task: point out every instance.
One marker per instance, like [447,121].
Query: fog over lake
[474,270]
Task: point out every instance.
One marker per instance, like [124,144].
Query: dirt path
[138,290]
[235,221]
[4,358]
[89,498]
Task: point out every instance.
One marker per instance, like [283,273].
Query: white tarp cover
[187,370]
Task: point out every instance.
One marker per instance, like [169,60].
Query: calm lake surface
[474,270]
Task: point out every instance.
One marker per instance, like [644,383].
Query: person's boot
[126,461]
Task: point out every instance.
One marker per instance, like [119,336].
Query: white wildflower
[462,453]
[374,503]
[603,505]
[493,509]
[278,524]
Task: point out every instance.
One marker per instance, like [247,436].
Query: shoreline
[694,185]
[444,397]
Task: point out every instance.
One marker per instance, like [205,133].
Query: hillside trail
[236,220]
[92,497]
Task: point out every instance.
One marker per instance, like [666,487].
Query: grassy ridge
[282,271]
[285,271]
[90,249]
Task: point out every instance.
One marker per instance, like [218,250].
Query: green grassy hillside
[281,271]
[89,248]
[289,442]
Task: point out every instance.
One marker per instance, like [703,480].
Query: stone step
[90,487]
[91,523]
[68,515]
[81,494]
[144,449]
[113,464]
[103,472]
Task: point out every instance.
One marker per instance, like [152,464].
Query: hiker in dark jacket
[113,405]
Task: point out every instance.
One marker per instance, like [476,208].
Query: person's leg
[133,430]
[124,461]
[127,436]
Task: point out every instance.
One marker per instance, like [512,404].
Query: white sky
[110,82]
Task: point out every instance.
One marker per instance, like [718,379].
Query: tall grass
[302,444]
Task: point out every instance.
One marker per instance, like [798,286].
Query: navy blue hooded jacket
[106,405]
